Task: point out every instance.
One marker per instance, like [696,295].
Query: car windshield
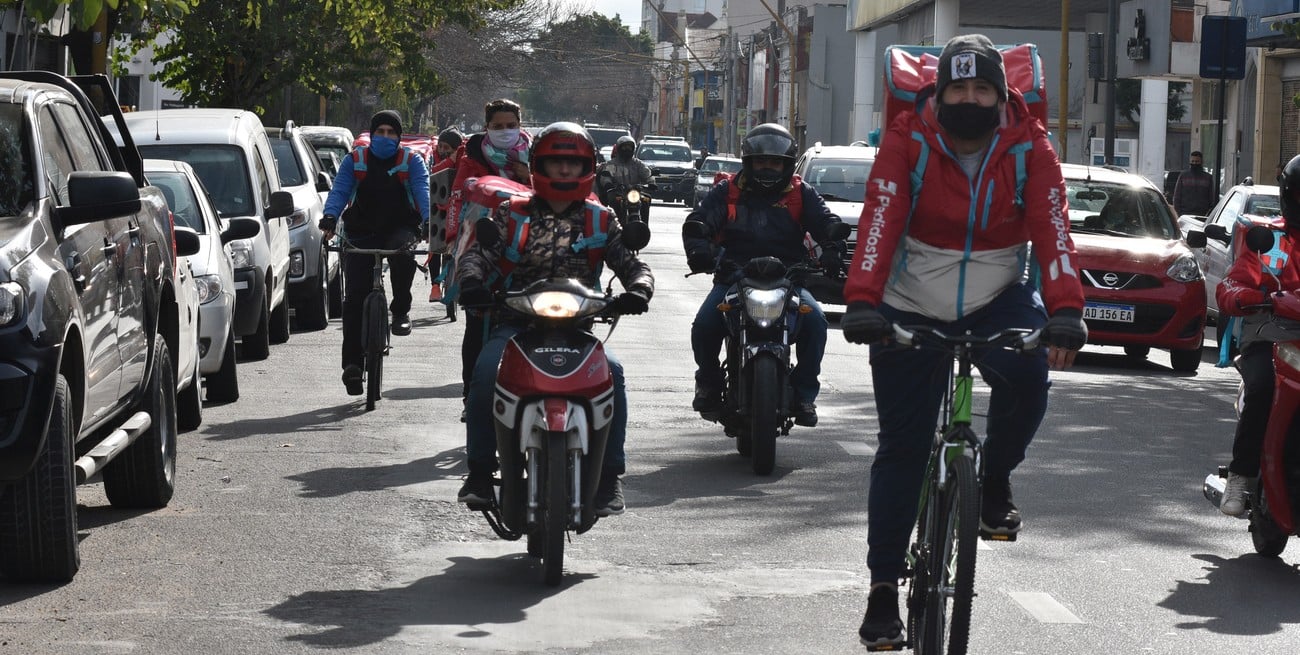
[180,198]
[605,136]
[665,152]
[1119,210]
[222,170]
[1266,206]
[286,163]
[719,166]
[15,162]
[839,179]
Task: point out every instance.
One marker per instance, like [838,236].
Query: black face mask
[967,120]
[767,178]
[623,154]
[1197,167]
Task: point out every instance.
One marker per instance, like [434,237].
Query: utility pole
[1111,64]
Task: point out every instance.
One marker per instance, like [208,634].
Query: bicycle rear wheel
[950,587]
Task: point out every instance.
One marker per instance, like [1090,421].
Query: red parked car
[1142,285]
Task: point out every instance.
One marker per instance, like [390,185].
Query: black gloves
[328,222]
[863,323]
[631,302]
[700,261]
[473,295]
[1066,329]
[832,261]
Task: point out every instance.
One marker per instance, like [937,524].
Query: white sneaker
[1234,495]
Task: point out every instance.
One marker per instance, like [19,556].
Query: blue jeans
[480,435]
[710,329]
[910,385]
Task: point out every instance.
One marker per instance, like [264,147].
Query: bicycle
[941,561]
[374,317]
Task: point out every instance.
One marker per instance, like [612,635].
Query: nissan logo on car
[1110,279]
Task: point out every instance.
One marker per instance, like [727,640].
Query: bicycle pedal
[886,647]
[997,536]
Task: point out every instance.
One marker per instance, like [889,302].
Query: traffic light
[1096,58]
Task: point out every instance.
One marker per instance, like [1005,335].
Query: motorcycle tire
[764,413]
[1269,539]
[556,521]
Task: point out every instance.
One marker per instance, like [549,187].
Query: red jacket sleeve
[1242,286]
[884,215]
[1048,221]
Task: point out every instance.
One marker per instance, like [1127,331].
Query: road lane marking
[1043,607]
[857,448]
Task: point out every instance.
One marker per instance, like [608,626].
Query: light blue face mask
[383,147]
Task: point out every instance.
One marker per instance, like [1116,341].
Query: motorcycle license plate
[1106,312]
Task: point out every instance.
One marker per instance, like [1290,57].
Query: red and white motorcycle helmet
[569,141]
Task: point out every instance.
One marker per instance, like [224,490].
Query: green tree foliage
[89,55]
[590,67]
[1128,101]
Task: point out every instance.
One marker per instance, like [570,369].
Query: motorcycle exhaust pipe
[1213,489]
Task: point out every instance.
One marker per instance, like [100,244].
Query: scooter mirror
[487,233]
[1259,239]
[636,235]
[839,231]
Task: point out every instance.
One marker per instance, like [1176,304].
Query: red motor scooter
[553,409]
[1272,503]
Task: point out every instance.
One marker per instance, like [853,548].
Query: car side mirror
[1259,239]
[1217,232]
[323,182]
[187,241]
[1195,238]
[281,205]
[636,235]
[487,233]
[839,231]
[240,228]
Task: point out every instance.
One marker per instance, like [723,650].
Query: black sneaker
[477,492]
[882,629]
[999,518]
[707,401]
[401,325]
[609,497]
[353,379]
[805,414]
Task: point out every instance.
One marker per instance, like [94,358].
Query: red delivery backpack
[910,68]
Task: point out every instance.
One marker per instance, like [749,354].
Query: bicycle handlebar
[1019,339]
[376,251]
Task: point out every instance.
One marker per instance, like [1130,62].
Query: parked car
[1243,206]
[88,321]
[231,154]
[1142,285]
[839,173]
[213,269]
[312,268]
[189,384]
[605,138]
[712,166]
[328,138]
[329,162]
[672,169]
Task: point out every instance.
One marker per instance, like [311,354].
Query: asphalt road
[302,523]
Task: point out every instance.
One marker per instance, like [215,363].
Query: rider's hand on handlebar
[700,261]
[832,262]
[327,224]
[473,295]
[631,302]
[863,323]
[1064,334]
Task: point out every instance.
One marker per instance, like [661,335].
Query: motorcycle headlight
[209,287]
[297,219]
[764,305]
[633,196]
[12,301]
[1185,269]
[241,253]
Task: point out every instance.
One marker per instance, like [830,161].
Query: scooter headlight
[555,304]
[764,305]
[633,197]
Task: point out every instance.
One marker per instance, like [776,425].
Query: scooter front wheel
[556,514]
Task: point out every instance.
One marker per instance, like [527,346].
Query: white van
[229,151]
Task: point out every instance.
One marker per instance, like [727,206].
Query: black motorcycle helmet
[624,148]
[768,140]
[1289,192]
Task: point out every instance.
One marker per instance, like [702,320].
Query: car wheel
[189,403]
[223,386]
[257,346]
[38,513]
[280,322]
[1185,361]
[144,475]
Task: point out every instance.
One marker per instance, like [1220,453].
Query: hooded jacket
[1248,284]
[951,250]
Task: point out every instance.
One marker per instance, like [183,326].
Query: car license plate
[1104,312]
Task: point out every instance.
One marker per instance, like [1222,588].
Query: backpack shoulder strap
[517,226]
[359,160]
[595,232]
[794,199]
[1018,151]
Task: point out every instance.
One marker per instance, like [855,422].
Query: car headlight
[298,218]
[241,253]
[1185,269]
[209,287]
[764,305]
[12,300]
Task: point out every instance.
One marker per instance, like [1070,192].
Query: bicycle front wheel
[375,337]
[951,586]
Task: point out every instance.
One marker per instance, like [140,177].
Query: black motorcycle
[630,203]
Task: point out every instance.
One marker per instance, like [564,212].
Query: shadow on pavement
[1246,595]
[338,481]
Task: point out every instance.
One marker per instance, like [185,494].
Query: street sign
[1223,47]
